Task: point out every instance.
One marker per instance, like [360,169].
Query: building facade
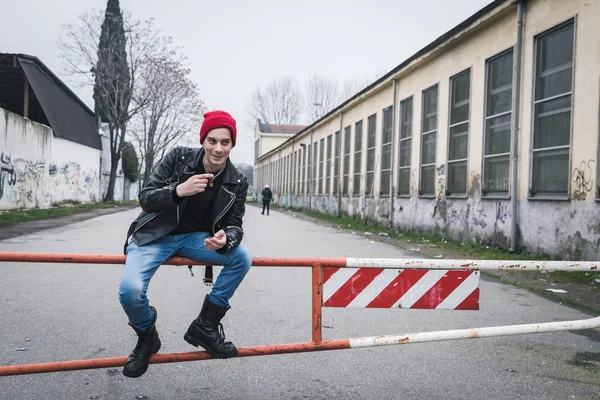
[488,134]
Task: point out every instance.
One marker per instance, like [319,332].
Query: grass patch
[57,210]
[470,249]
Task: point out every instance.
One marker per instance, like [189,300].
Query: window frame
[421,135]
[531,195]
[390,170]
[406,139]
[467,122]
[358,153]
[372,117]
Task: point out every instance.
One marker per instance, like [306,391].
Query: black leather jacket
[161,213]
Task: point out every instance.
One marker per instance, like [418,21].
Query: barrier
[461,275]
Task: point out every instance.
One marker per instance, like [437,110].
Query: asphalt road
[52,312]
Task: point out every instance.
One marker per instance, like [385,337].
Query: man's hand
[217,241]
[195,184]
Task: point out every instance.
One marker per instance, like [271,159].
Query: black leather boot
[207,331]
[148,344]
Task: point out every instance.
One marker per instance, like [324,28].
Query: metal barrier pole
[317,303]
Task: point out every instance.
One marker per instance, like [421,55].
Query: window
[321,156]
[386,151]
[358,139]
[498,117]
[336,164]
[328,165]
[346,164]
[286,174]
[552,111]
[406,114]
[294,171]
[458,137]
[314,169]
[303,174]
[371,137]
[428,141]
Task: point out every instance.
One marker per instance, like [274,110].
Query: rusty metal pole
[317,302]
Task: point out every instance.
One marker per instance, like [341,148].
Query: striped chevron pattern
[401,288]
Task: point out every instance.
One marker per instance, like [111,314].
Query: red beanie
[218,119]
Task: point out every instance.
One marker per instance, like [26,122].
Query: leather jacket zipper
[146,221]
[224,210]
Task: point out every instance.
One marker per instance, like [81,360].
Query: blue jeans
[143,261]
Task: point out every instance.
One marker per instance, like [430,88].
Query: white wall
[25,152]
[39,169]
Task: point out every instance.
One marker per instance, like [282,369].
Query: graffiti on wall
[459,217]
[582,180]
[441,181]
[7,173]
[479,216]
[23,182]
[502,213]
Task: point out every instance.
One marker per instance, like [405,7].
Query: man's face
[217,146]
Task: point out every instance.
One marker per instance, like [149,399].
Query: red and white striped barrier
[392,288]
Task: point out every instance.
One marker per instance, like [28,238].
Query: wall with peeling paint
[38,169]
[567,227]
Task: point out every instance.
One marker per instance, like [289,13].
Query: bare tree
[172,114]
[279,103]
[79,44]
[321,96]
[350,87]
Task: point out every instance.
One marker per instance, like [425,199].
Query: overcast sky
[234,46]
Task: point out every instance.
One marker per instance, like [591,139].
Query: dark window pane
[499,102]
[554,62]
[558,82]
[497,135]
[385,183]
[555,48]
[405,153]
[428,149]
[387,125]
[406,118]
[496,171]
[372,132]
[500,71]
[459,141]
[430,109]
[404,181]
[460,98]
[370,160]
[457,178]
[369,182]
[428,180]
[553,123]
[356,184]
[551,172]
[386,157]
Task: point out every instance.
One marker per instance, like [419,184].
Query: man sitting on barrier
[193,205]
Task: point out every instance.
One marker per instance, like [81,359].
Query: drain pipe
[339,148]
[515,141]
[391,185]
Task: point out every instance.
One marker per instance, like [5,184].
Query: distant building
[484,135]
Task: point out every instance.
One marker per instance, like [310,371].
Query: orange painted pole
[116,362]
[317,303]
[120,259]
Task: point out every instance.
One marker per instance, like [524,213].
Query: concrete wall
[568,225]
[38,169]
